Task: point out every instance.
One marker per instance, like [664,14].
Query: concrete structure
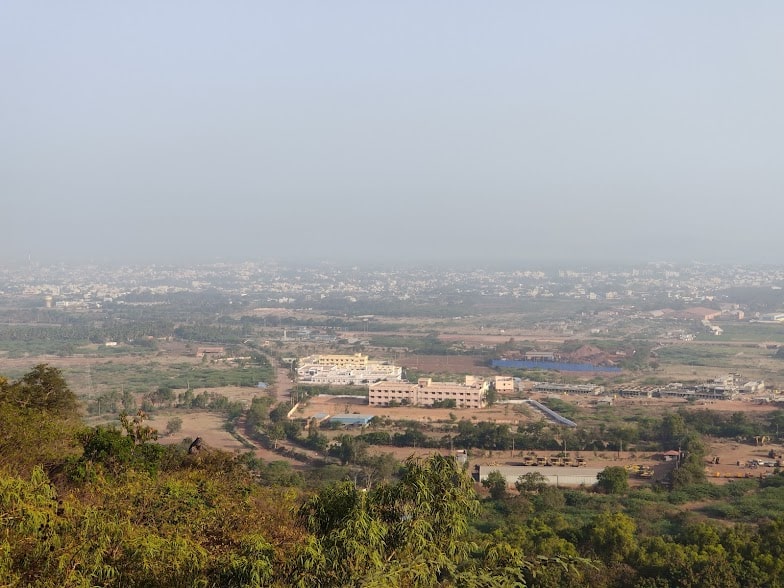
[345,370]
[210,351]
[336,376]
[351,420]
[426,392]
[382,393]
[551,414]
[503,384]
[637,392]
[556,476]
[754,387]
[722,388]
[540,356]
[355,361]
[589,389]
[719,388]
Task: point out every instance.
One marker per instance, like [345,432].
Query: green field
[752,332]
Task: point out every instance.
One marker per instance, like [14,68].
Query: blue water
[551,365]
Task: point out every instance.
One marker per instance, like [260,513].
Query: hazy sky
[423,130]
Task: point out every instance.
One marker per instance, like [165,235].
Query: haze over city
[433,132]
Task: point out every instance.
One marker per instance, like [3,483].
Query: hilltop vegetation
[108,506]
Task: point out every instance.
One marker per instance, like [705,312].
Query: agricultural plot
[698,361]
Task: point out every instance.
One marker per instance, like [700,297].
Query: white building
[345,370]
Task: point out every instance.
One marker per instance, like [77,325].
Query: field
[207,425]
[699,360]
[449,365]
[442,347]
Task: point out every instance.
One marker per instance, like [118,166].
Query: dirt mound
[586,353]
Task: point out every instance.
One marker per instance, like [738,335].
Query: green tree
[276,432]
[348,450]
[378,468]
[612,536]
[163,396]
[410,533]
[118,450]
[279,413]
[613,480]
[43,388]
[531,483]
[38,420]
[492,395]
[672,431]
[173,425]
[496,485]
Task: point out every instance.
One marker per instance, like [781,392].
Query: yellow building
[357,361]
[504,384]
[426,392]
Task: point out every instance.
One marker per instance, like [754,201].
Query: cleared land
[207,425]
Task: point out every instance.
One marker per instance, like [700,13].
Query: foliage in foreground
[108,506]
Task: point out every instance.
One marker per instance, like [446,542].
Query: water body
[552,365]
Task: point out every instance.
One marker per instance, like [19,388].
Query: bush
[173,425]
[613,480]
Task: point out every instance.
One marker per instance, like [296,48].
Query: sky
[432,131]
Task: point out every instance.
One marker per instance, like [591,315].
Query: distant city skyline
[439,132]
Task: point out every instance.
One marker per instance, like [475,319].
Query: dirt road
[283,385]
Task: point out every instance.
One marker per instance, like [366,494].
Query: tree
[276,432]
[279,413]
[492,395]
[613,480]
[120,450]
[315,440]
[43,388]
[496,485]
[348,450]
[163,395]
[37,420]
[673,430]
[378,468]
[410,533]
[173,425]
[613,536]
[531,483]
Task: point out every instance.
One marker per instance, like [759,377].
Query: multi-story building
[346,377]
[504,384]
[426,392]
[357,360]
[345,370]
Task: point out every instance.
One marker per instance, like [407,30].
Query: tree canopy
[109,506]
